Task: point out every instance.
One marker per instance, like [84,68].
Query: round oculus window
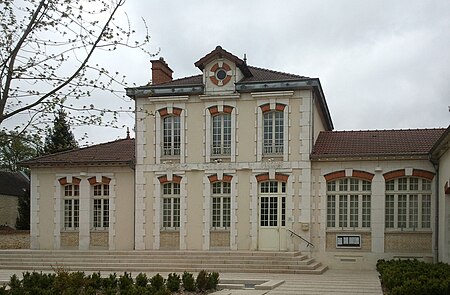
[221,74]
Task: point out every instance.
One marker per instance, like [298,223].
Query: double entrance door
[272,222]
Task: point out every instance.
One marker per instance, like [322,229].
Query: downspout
[436,235]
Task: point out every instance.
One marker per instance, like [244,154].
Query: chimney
[161,73]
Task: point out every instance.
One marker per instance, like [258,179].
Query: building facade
[244,158]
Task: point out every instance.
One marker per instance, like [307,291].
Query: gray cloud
[383,64]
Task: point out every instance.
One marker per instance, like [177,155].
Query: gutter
[436,236]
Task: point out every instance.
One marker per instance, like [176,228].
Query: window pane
[426,211]
[264,214]
[413,211]
[354,208]
[401,211]
[343,211]
[331,211]
[390,185]
[402,184]
[389,211]
[273,217]
[366,209]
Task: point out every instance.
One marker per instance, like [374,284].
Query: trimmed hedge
[64,282]
[405,277]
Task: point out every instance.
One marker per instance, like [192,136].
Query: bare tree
[46,50]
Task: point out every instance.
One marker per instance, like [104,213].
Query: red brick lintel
[278,176]
[356,174]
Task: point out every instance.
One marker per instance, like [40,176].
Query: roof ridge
[383,130]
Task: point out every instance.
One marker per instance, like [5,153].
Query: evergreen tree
[23,219]
[60,137]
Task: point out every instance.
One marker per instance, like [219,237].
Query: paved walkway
[336,282]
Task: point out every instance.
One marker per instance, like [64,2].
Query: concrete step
[162,261]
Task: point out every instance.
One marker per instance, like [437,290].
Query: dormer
[221,70]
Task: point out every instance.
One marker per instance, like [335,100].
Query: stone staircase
[160,261]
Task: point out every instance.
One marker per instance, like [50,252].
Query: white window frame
[220,205]
[171,143]
[101,215]
[273,146]
[221,140]
[408,204]
[71,207]
[171,198]
[349,203]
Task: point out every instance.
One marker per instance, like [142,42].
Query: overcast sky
[382,64]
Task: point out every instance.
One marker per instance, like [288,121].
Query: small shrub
[202,280]
[157,282]
[213,281]
[94,281]
[125,282]
[163,291]
[173,282]
[110,283]
[14,282]
[188,282]
[141,280]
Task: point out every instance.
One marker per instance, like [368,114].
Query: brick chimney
[161,73]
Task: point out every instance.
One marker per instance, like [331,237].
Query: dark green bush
[202,280]
[173,282]
[76,283]
[157,282]
[213,281]
[188,282]
[125,282]
[404,277]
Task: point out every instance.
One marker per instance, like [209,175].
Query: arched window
[348,203]
[171,135]
[273,129]
[408,203]
[221,134]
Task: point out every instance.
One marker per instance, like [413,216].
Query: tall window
[273,131]
[71,206]
[221,205]
[348,203]
[171,206]
[171,136]
[100,206]
[221,134]
[408,203]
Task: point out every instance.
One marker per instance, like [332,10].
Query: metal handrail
[307,242]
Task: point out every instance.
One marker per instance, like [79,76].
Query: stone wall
[14,239]
[69,240]
[408,242]
[99,240]
[220,239]
[169,240]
